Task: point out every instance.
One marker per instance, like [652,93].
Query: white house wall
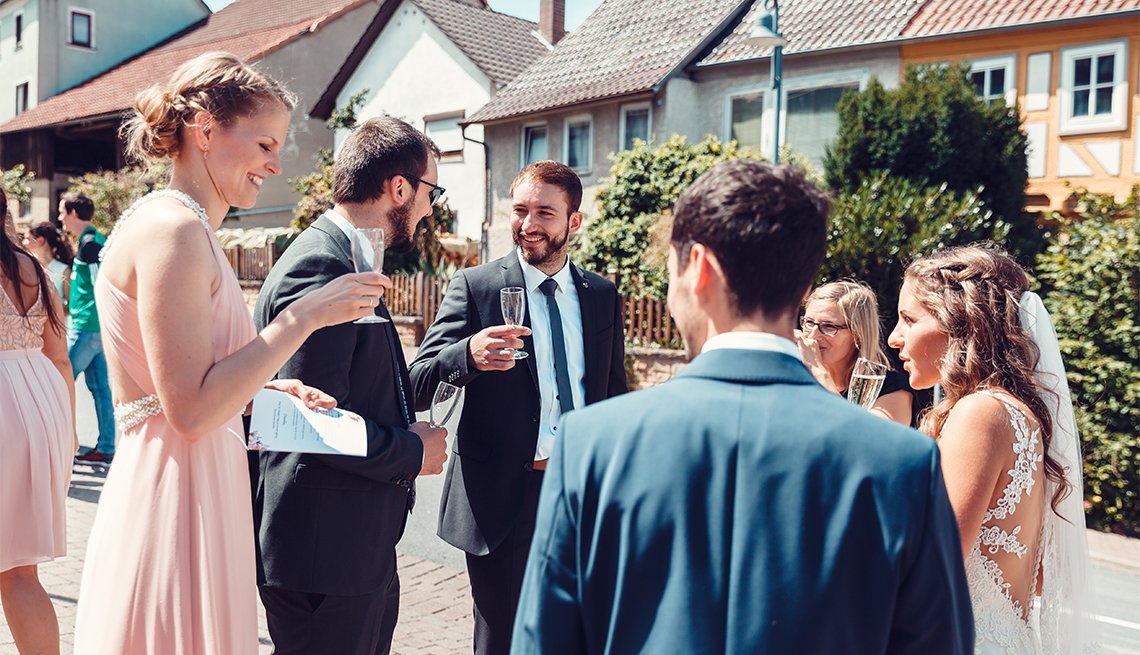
[18,66]
[305,66]
[413,70]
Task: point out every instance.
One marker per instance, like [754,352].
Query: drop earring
[205,153]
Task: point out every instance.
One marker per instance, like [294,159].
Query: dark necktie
[561,373]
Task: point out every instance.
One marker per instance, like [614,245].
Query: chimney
[552,19]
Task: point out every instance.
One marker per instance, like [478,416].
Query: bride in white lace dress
[1009,447]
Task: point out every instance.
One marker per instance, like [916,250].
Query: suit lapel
[513,277]
[590,306]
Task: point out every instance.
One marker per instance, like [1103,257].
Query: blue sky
[576,10]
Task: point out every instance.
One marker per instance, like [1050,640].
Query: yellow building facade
[1077,85]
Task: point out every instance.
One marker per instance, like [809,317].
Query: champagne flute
[513,302]
[866,381]
[368,255]
[443,404]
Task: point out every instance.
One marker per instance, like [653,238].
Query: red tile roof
[938,17]
[250,29]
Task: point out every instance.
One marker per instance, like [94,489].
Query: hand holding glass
[443,403]
[866,381]
[513,301]
[363,239]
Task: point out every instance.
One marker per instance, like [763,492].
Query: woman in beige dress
[37,441]
[170,561]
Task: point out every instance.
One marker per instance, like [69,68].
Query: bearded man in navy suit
[740,507]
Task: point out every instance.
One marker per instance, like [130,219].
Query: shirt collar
[341,222]
[532,277]
[753,341]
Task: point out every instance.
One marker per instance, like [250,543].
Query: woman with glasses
[841,324]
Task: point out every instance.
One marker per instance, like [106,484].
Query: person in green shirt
[85,343]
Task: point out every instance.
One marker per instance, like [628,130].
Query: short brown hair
[767,226]
[375,152]
[84,207]
[218,83]
[556,174]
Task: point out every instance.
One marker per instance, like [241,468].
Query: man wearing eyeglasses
[327,525]
[574,342]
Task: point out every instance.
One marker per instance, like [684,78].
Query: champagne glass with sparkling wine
[443,403]
[866,381]
[368,255]
[513,301]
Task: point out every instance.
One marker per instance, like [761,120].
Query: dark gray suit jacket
[329,523]
[498,430]
[741,508]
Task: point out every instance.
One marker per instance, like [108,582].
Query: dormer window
[81,30]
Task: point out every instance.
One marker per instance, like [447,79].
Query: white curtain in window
[747,115]
[578,146]
[534,145]
[636,126]
[811,120]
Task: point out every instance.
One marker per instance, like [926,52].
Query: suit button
[534,419]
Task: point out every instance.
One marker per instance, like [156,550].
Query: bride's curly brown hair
[974,293]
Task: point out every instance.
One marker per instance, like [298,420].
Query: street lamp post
[766,33]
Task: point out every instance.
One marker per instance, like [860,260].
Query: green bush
[1091,273]
[114,191]
[644,182]
[934,130]
[886,221]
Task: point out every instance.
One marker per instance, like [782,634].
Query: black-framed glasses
[828,329]
[436,190]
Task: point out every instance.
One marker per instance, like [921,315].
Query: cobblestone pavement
[435,607]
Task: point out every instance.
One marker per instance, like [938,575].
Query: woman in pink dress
[37,439]
[170,561]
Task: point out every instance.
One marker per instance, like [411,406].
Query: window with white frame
[534,144]
[811,121]
[19,31]
[21,98]
[81,30]
[635,124]
[993,78]
[578,142]
[744,118]
[445,131]
[1094,87]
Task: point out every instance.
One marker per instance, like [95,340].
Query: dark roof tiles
[501,46]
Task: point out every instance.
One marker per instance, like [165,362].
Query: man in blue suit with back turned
[740,507]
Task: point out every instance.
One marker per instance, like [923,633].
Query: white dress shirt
[753,341]
[550,411]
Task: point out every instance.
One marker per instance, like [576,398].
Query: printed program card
[282,423]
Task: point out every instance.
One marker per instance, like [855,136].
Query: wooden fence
[648,323]
[251,264]
[418,295]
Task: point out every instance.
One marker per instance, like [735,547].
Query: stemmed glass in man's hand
[866,381]
[363,240]
[513,301]
[443,403]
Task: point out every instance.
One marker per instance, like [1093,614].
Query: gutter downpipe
[485,228]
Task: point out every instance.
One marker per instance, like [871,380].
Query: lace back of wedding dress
[1002,567]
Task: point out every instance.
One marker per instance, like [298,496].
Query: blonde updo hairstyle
[974,293]
[860,309]
[217,83]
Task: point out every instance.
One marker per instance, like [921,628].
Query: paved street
[435,611]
